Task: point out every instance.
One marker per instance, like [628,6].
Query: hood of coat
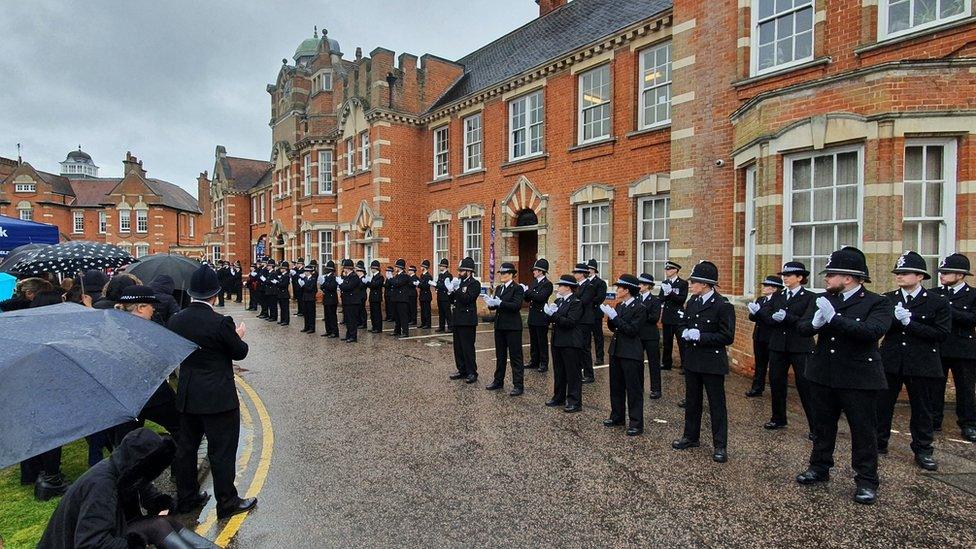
[141,457]
[163,284]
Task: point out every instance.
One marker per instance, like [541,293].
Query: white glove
[779,315]
[456,283]
[431,283]
[903,315]
[691,334]
[292,272]
[253,273]
[339,280]
[366,280]
[389,276]
[416,283]
[818,319]
[666,288]
[450,288]
[609,311]
[826,308]
[264,279]
[753,308]
[524,287]
[321,279]
[301,282]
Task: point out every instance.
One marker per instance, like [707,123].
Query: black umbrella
[68,371]
[178,267]
[18,254]
[74,257]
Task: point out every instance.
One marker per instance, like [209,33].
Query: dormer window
[322,81]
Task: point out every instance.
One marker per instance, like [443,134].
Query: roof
[244,172]
[59,184]
[93,191]
[308,47]
[79,155]
[545,39]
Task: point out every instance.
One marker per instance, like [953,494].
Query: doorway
[528,249]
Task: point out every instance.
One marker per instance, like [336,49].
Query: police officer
[709,329]
[567,342]
[787,347]
[537,295]
[296,271]
[761,333]
[376,287]
[845,370]
[587,295]
[674,292]
[399,282]
[959,350]
[349,290]
[308,289]
[910,354]
[282,284]
[361,273]
[426,297]
[507,304]
[271,291]
[600,295]
[412,294]
[223,275]
[464,292]
[444,277]
[649,336]
[389,308]
[252,284]
[330,300]
[626,356]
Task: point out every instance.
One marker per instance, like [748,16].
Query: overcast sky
[171,80]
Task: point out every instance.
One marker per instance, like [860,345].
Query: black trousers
[299,307]
[262,301]
[284,310]
[964,377]
[222,430]
[390,307]
[598,339]
[586,354]
[464,355]
[508,348]
[402,319]
[670,332]
[252,302]
[376,315]
[308,313]
[239,294]
[627,390]
[760,350]
[921,391]
[713,386]
[48,463]
[860,407]
[652,350]
[350,317]
[425,313]
[413,309]
[220,297]
[567,383]
[779,370]
[272,307]
[363,318]
[331,319]
[444,314]
[539,347]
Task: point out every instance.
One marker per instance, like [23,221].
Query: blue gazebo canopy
[15,232]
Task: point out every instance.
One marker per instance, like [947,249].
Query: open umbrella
[178,267]
[74,257]
[68,371]
[18,254]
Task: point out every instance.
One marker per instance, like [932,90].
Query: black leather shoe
[754,393]
[926,462]
[720,455]
[634,431]
[612,423]
[326,335]
[49,486]
[812,477]
[494,386]
[865,496]
[458,375]
[472,378]
[655,395]
[969,433]
[192,503]
[235,506]
[552,403]
[518,391]
[684,443]
[682,403]
[588,379]
[572,408]
[882,450]
[773,425]
[351,340]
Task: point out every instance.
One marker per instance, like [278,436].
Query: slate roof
[246,173]
[59,184]
[92,192]
[545,39]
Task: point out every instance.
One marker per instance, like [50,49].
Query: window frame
[216,253]
[947,232]
[350,156]
[444,130]
[26,188]
[445,252]
[604,271]
[25,214]
[581,109]
[751,229]
[326,183]
[142,215]
[125,221]
[192,222]
[326,245]
[884,7]
[754,69]
[470,144]
[467,234]
[364,152]
[641,240]
[264,211]
[307,246]
[141,247]
[307,175]
[103,222]
[526,100]
[643,89]
[319,79]
[75,218]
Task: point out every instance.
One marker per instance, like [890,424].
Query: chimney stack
[547,6]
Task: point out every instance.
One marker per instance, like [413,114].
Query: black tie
[908,300]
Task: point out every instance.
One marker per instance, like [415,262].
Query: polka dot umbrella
[73,257]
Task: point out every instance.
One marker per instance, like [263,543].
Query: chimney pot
[547,6]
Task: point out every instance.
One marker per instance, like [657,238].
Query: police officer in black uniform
[376,288]
[223,276]
[507,304]
[308,289]
[296,271]
[674,292]
[271,291]
[567,341]
[649,336]
[600,295]
[361,273]
[959,350]
[626,356]
[389,308]
[444,277]
[282,285]
[464,292]
[587,295]
[845,371]
[412,294]
[910,354]
[349,291]
[252,284]
[399,282]
[537,295]
[426,296]
[330,300]
[761,333]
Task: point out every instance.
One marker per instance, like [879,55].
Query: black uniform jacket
[599,296]
[652,305]
[424,288]
[296,289]
[465,300]
[587,295]
[206,383]
[913,350]
[784,336]
[376,285]
[846,355]
[762,330]
[281,282]
[962,340]
[626,328]
[442,278]
[537,296]
[715,319]
[350,290]
[674,302]
[330,290]
[308,289]
[400,286]
[566,328]
[508,314]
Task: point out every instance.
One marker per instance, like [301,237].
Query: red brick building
[632,131]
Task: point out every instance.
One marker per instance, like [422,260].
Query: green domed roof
[308,48]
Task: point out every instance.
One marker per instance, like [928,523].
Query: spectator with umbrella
[72,257]
[114,289]
[164,287]
[27,289]
[92,283]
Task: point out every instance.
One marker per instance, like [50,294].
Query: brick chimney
[132,164]
[546,6]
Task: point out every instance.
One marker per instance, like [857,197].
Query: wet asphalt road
[374,446]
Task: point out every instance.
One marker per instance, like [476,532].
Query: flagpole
[491,252]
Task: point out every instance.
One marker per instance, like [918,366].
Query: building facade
[747,132]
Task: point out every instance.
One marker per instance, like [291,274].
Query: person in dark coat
[224,276]
[600,295]
[163,286]
[113,290]
[626,356]
[507,304]
[363,291]
[761,333]
[910,354]
[709,330]
[282,285]
[103,508]
[308,290]
[296,272]
[271,290]
[399,282]
[444,277]
[412,291]
[537,296]
[674,292]
[390,307]
[587,295]
[426,297]
[207,398]
[959,350]
[27,290]
[92,282]
[237,282]
[567,342]
[252,285]
[845,370]
[330,300]
[376,288]
[464,292]
[349,290]
[649,336]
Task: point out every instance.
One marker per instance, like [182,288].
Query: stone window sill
[593,144]
[648,131]
[525,159]
[441,180]
[786,70]
[921,33]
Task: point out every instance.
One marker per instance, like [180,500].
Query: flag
[491,249]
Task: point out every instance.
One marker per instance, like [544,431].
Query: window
[749,264]
[325,249]
[142,250]
[594,236]
[929,207]
[126,247]
[594,104]
[193,223]
[325,172]
[264,204]
[442,155]
[472,243]
[652,235]
[782,34]
[78,219]
[897,17]
[254,209]
[125,220]
[655,82]
[525,126]
[215,253]
[25,188]
[307,174]
[288,180]
[346,245]
[218,216]
[441,242]
[823,210]
[26,214]
[350,157]
[472,143]
[142,221]
[364,150]
[306,246]
[103,223]
[368,253]
[322,82]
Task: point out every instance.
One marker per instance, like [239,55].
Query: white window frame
[307,174]
[582,108]
[125,221]
[325,172]
[320,80]
[142,217]
[754,38]
[350,156]
[364,156]
[77,222]
[442,152]
[307,246]
[326,242]
[474,243]
[473,149]
[216,253]
[642,238]
[788,253]
[254,209]
[646,88]
[264,205]
[347,244]
[25,187]
[142,250]
[580,245]
[947,231]
[885,5]
[103,222]
[524,108]
[192,225]
[749,247]
[441,240]
[25,214]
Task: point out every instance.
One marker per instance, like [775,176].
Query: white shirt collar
[645,294]
[591,277]
[541,278]
[629,300]
[955,289]
[914,294]
[851,292]
[194,300]
[705,297]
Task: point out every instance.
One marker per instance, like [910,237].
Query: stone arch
[524,196]
[594,192]
[470,211]
[364,217]
[439,216]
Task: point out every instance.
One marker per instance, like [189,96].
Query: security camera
[719,163]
